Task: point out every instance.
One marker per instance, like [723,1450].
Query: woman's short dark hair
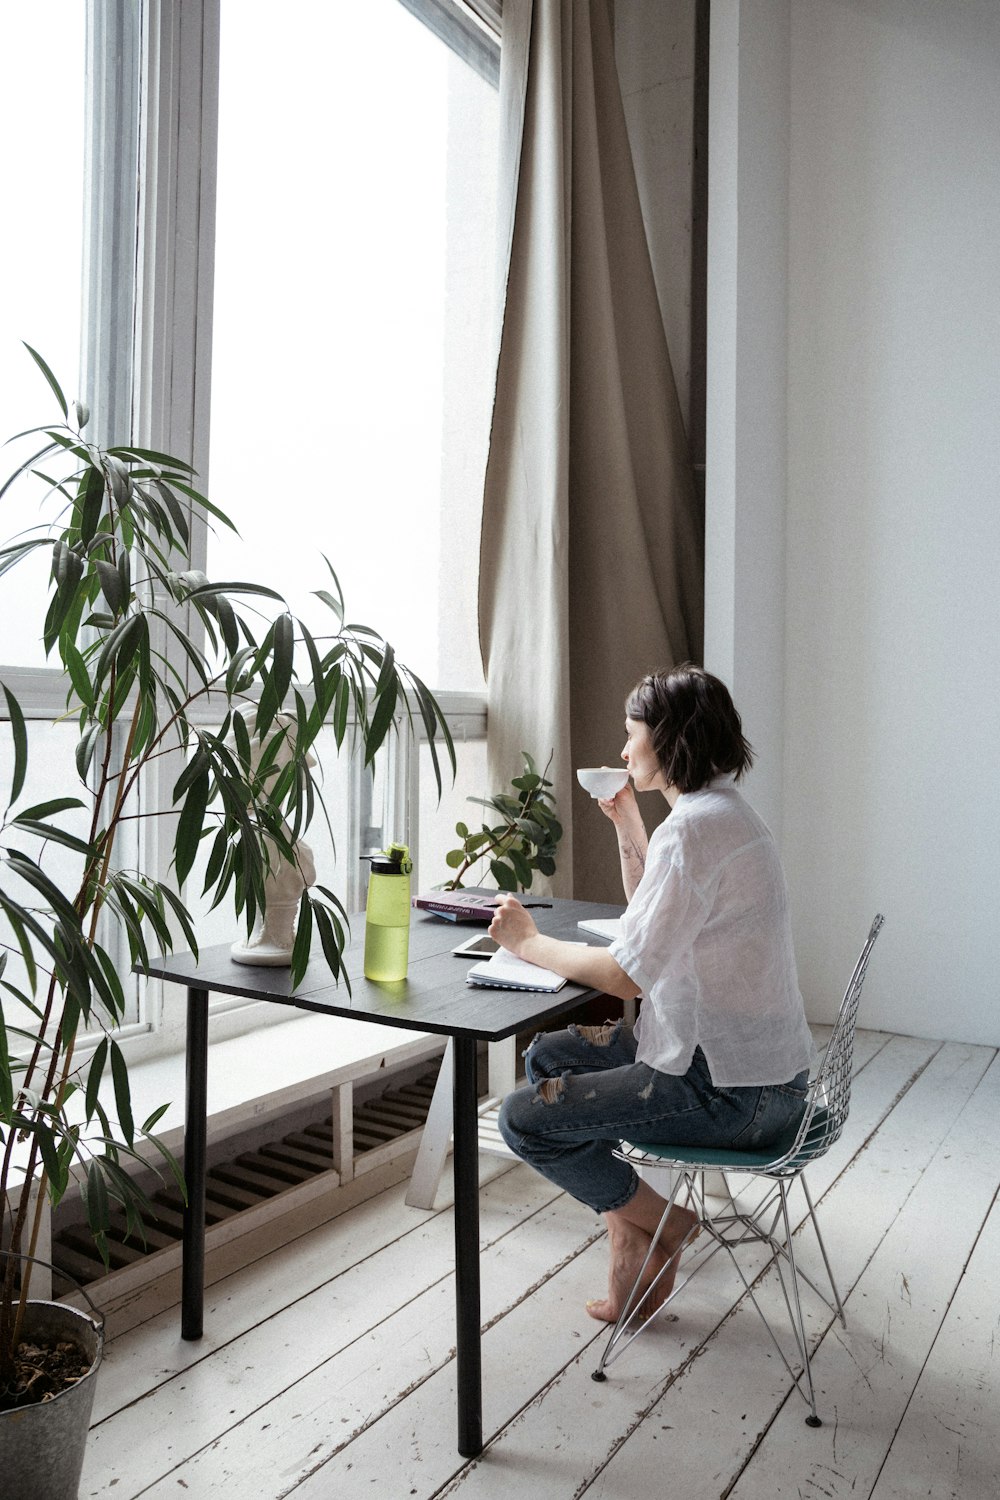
[695,729]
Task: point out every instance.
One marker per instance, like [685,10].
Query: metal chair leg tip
[598,1375]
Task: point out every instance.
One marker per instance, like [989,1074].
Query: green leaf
[154,1119]
[86,747]
[6,1073]
[94,1076]
[152,456]
[521,868]
[256,590]
[98,1211]
[454,858]
[19,734]
[177,513]
[53,834]
[284,649]
[78,674]
[31,872]
[53,382]
[190,827]
[50,1156]
[90,504]
[180,911]
[303,940]
[172,1163]
[381,720]
[123,1098]
[503,875]
[111,585]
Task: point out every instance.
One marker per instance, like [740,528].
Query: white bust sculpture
[270,943]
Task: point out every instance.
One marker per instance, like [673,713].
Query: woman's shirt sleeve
[665,915]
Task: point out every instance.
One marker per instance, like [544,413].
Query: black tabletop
[433,997]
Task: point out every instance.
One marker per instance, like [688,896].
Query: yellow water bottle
[387,914]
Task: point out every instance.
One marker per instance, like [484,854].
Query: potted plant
[521,841]
[121,621]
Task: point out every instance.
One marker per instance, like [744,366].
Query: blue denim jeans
[587,1093]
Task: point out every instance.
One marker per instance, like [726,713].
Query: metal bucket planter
[42,1446]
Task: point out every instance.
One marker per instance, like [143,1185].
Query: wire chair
[768,1222]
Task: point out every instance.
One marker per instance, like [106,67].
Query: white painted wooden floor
[326,1369]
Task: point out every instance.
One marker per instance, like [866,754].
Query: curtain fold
[592,553]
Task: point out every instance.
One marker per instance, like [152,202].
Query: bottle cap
[392,861]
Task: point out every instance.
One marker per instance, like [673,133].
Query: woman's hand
[512,926]
[622,808]
[514,929]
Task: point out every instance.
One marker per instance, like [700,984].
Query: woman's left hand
[512,926]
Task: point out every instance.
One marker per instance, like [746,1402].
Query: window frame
[148,285]
[171,402]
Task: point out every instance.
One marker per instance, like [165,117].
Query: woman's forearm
[632,847]
[585,965]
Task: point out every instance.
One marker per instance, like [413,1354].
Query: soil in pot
[44,1368]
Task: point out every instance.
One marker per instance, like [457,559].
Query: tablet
[480,946]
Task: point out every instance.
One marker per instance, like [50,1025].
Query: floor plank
[327,1367]
[263,1333]
[670,1379]
[948,1444]
[865,1374]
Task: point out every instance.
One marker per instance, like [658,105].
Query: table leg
[468,1361]
[193,1244]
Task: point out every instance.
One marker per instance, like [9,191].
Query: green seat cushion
[738,1161]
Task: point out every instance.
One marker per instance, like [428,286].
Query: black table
[434,997]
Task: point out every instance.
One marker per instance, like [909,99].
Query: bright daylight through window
[353,325]
[349,252]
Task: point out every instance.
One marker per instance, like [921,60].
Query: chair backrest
[830,1092]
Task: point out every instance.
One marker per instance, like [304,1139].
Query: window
[353,319]
[352,347]
[67,265]
[41,250]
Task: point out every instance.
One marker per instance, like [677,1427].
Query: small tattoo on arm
[635,854]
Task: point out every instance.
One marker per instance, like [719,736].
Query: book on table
[505,972]
[468,906]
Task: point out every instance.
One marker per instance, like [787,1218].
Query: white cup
[602,781]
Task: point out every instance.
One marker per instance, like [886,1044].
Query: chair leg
[798,1321]
[635,1300]
[822,1249]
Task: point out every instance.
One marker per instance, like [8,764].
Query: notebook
[505,972]
[605,927]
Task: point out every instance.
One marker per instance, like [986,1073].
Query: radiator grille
[247,1179]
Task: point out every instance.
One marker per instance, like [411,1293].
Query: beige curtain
[591,566]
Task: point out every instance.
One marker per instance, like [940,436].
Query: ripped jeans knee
[551,1090]
[579,1049]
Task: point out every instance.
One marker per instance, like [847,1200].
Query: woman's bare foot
[629,1246]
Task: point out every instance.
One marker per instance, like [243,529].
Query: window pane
[353,332]
[437,820]
[41,123]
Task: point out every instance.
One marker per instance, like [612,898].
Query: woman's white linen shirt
[707,938]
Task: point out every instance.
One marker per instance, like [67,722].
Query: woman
[720,1054]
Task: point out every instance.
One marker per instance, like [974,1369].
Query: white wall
[745,480]
[853,523]
[892,725]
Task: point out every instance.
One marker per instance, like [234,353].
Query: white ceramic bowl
[602,781]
